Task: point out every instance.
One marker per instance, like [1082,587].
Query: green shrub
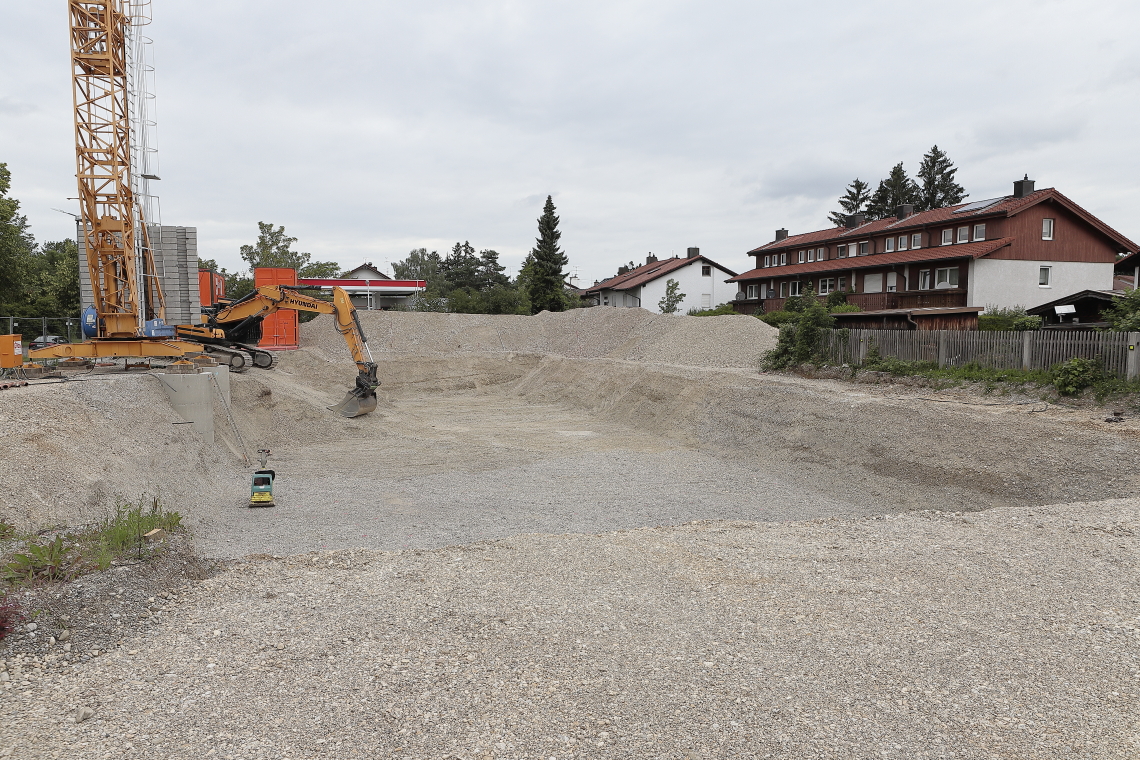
[837,298]
[11,616]
[49,562]
[1012,318]
[845,308]
[724,310]
[778,318]
[799,340]
[1073,376]
[1124,314]
[6,530]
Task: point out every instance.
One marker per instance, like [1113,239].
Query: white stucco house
[701,279]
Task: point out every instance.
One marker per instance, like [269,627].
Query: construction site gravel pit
[551,525]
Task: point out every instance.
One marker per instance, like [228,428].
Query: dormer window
[889,245]
[916,240]
[979,232]
[947,237]
[864,248]
[783,259]
[811,255]
[803,256]
[841,251]
[821,254]
[902,242]
[963,234]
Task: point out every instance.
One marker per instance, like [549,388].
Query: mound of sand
[629,334]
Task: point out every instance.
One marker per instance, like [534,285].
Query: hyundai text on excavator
[233,327]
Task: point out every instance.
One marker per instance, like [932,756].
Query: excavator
[232,329]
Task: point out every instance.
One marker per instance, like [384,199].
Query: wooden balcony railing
[911,299]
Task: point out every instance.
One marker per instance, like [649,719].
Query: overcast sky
[369,128]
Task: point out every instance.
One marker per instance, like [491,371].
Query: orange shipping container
[278,330]
[211,287]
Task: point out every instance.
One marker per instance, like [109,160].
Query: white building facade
[700,279]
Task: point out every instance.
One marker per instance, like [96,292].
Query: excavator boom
[239,321]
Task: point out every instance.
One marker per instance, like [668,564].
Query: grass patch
[1070,378]
[93,547]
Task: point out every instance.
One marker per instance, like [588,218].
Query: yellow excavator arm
[234,319]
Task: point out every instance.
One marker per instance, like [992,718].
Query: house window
[1046,229]
[1045,277]
[605,300]
[841,251]
[767,261]
[963,234]
[947,237]
[811,255]
[842,283]
[916,240]
[892,282]
[979,232]
[946,277]
[783,259]
[783,290]
[706,270]
[902,242]
[864,248]
[706,300]
[889,245]
[873,283]
[924,279]
[826,285]
[821,254]
[753,290]
[796,288]
[803,256]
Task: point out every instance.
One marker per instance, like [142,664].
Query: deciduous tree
[673,297]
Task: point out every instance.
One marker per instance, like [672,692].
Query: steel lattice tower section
[119,257]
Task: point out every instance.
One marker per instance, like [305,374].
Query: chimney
[781,234]
[905,210]
[855,220]
[622,270]
[651,259]
[694,252]
[1022,187]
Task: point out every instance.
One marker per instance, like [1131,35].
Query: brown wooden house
[1018,250]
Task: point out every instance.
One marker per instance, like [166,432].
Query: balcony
[912,299]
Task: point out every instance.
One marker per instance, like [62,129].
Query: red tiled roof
[937,253]
[1007,206]
[646,272]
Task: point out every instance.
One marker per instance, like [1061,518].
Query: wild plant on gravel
[11,616]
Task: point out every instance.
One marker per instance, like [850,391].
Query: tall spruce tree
[939,188]
[17,247]
[851,202]
[892,192]
[546,275]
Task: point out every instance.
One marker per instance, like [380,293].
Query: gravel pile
[1007,634]
[635,334]
[71,449]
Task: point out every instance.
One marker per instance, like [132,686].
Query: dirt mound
[72,448]
[632,334]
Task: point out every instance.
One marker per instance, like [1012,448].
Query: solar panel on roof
[979,205]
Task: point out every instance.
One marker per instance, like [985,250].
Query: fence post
[862,346]
[1132,361]
[1027,349]
[942,348]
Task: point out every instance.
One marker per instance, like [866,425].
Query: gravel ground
[1005,634]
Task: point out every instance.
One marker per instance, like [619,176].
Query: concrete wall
[176,261]
[1006,282]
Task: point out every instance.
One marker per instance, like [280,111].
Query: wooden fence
[1037,349]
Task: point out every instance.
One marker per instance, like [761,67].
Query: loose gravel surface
[1005,634]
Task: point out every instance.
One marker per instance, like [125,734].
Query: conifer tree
[546,274]
[851,202]
[892,192]
[939,188]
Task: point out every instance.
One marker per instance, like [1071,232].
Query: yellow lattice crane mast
[126,292]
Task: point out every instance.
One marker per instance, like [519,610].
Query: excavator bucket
[361,399]
[355,405]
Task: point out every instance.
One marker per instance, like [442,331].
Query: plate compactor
[261,489]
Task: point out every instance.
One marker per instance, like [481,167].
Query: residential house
[368,288]
[1018,250]
[701,279]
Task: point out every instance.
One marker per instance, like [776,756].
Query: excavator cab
[261,490]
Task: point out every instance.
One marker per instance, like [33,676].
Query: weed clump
[91,548]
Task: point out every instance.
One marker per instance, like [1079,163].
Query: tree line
[476,283]
[35,280]
[936,187]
